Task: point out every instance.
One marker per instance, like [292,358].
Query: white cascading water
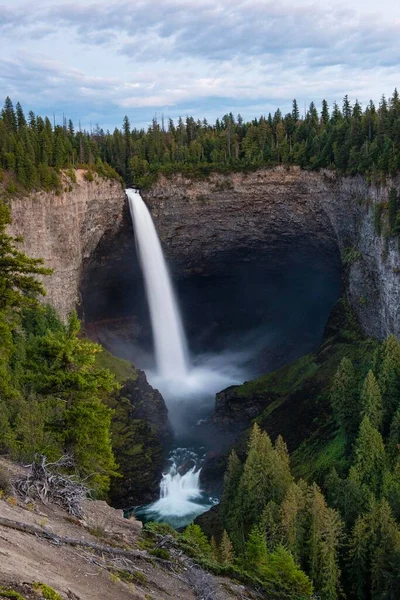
[181,498]
[169,338]
[178,492]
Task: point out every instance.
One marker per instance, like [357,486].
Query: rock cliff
[87,227]
[263,210]
[65,229]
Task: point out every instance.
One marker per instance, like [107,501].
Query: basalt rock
[65,229]
[85,234]
[140,432]
[282,209]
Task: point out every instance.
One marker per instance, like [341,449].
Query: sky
[97,61]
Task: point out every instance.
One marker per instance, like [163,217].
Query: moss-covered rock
[294,400]
[140,434]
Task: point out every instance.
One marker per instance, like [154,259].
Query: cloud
[169,55]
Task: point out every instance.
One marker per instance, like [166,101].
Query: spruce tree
[371,401]
[230,502]
[370,457]
[292,518]
[226,552]
[389,378]
[345,400]
[256,555]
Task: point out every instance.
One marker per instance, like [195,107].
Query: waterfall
[181,498]
[169,338]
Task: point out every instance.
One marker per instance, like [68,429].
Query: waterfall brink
[169,338]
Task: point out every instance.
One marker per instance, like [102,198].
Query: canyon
[85,234]
[253,223]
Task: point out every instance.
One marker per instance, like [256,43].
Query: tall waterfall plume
[169,337]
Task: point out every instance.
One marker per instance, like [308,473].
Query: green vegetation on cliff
[348,139]
[334,505]
[51,391]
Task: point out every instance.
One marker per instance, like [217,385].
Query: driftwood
[45,482]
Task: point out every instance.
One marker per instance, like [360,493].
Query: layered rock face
[87,231]
[197,220]
[65,230]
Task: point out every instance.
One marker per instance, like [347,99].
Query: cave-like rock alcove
[269,303]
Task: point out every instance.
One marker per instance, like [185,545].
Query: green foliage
[162,553]
[370,457]
[89,176]
[19,285]
[371,400]
[8,593]
[122,369]
[46,591]
[266,476]
[345,399]
[226,553]
[361,142]
[51,391]
[351,255]
[160,529]
[388,368]
[197,540]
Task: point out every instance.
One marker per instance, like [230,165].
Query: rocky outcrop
[65,229]
[140,433]
[87,230]
[281,208]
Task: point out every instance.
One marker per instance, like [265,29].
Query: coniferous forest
[349,138]
[330,537]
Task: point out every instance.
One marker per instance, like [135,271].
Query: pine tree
[266,476]
[389,378]
[295,111]
[226,553]
[345,401]
[292,518]
[270,525]
[371,401]
[214,549]
[256,555]
[68,372]
[394,438]
[359,545]
[325,113]
[19,285]
[370,458]
[230,501]
[197,539]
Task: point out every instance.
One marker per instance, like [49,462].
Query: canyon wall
[65,230]
[199,220]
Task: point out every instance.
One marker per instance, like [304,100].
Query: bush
[89,176]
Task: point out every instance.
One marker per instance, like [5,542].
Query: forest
[348,138]
[295,539]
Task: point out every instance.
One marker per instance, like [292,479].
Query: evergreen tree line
[53,398]
[346,138]
[344,535]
